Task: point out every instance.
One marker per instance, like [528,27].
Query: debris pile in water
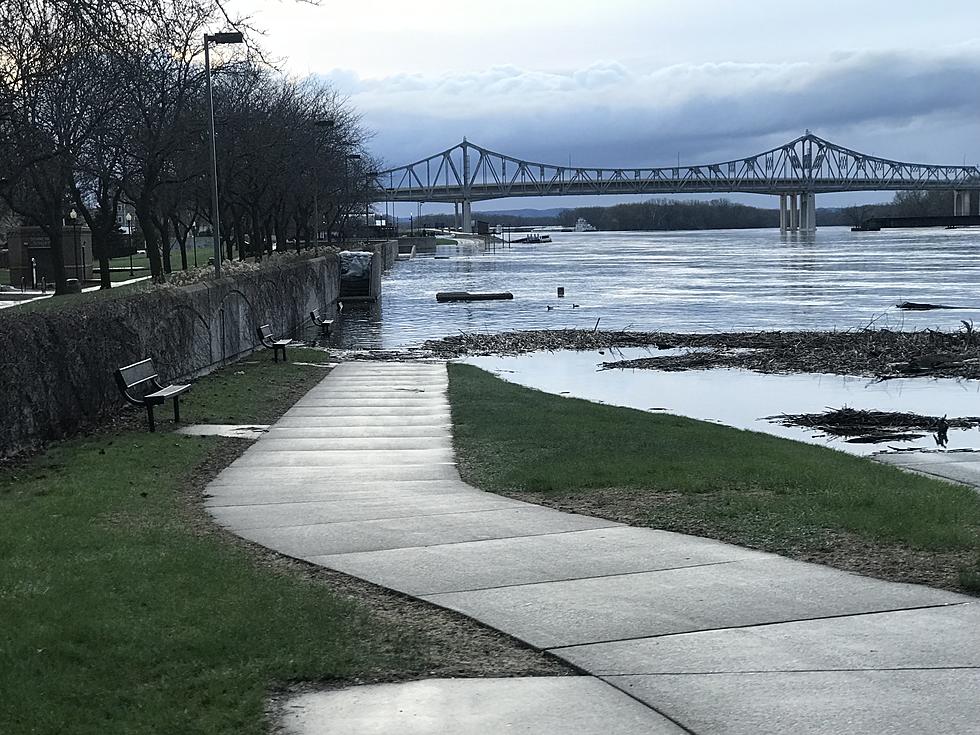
[879,353]
[873,427]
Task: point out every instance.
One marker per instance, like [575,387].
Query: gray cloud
[898,104]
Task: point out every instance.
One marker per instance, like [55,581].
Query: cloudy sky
[639,82]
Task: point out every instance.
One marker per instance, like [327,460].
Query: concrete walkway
[961,467]
[359,476]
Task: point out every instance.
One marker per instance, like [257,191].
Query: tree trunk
[56,238]
[144,213]
[100,245]
[164,228]
[280,229]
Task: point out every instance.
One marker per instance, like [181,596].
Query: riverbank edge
[687,476]
[875,353]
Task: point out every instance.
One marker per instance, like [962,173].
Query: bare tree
[54,98]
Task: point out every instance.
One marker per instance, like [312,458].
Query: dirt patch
[679,512]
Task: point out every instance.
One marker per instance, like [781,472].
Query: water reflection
[742,398]
[745,280]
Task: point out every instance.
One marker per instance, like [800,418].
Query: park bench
[324,324]
[266,338]
[141,375]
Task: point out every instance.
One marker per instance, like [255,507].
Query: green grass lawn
[685,475]
[123,611]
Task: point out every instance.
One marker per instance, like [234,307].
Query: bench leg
[275,353]
[176,410]
[149,415]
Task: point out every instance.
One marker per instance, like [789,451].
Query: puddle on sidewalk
[742,398]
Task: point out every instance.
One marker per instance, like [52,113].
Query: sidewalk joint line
[374,520]
[755,625]
[588,577]
[457,543]
[789,671]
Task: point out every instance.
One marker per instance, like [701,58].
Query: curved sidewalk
[359,476]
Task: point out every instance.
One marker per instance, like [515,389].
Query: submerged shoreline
[876,353]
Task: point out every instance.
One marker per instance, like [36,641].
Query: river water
[698,282]
[730,280]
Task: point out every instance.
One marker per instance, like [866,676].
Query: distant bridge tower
[467,201]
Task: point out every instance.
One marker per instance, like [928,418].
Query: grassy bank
[683,475]
[125,611]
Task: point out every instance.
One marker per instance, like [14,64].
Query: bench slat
[138,372]
[169,392]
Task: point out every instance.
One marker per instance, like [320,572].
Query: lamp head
[227,37]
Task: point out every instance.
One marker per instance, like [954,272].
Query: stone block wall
[56,367]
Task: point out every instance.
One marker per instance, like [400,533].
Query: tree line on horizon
[715,214]
[104,102]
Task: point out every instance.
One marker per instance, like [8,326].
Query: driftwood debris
[445,296]
[874,427]
[876,353]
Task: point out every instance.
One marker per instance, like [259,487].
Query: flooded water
[697,282]
[742,398]
[731,280]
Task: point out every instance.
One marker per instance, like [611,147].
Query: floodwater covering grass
[123,611]
[694,477]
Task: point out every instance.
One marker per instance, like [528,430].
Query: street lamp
[73,216]
[194,241]
[215,38]
[129,229]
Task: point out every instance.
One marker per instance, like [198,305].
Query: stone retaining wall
[56,367]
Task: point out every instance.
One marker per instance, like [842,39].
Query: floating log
[915,306]
[467,296]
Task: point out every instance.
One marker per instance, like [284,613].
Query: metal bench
[141,374]
[324,324]
[267,339]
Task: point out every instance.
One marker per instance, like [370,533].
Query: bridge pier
[794,214]
[783,215]
[467,216]
[808,212]
[964,203]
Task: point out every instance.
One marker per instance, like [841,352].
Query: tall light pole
[215,38]
[194,241]
[129,228]
[73,216]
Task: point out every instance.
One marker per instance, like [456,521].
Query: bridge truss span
[797,171]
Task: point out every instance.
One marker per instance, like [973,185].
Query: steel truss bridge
[796,171]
